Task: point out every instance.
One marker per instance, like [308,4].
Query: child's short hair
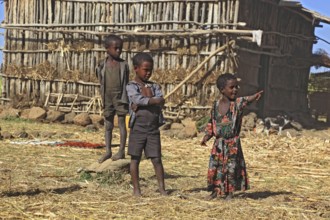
[111,38]
[223,78]
[139,58]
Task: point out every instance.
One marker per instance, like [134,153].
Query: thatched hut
[53,46]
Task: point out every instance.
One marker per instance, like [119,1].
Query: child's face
[231,89]
[144,71]
[115,48]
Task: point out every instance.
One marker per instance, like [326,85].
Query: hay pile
[41,71]
[289,180]
[47,70]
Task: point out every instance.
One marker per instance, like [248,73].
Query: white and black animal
[276,123]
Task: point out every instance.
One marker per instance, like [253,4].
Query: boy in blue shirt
[146,102]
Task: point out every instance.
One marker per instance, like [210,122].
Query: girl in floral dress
[227,170]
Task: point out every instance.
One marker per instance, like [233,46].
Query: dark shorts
[113,105]
[149,142]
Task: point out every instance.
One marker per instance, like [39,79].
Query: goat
[278,123]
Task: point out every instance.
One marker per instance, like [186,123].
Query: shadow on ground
[37,191]
[262,195]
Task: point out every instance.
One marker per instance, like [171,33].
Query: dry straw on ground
[289,179]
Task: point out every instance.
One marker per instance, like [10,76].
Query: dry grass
[289,180]
[41,71]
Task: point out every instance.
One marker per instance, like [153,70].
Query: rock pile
[48,116]
[185,129]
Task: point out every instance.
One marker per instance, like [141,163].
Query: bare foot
[163,192]
[118,156]
[105,157]
[229,197]
[137,193]
[212,196]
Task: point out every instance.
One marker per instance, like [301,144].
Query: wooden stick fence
[68,34]
[86,20]
[180,34]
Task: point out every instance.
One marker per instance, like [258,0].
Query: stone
[9,113]
[82,119]
[66,135]
[188,122]
[165,126]
[34,134]
[177,126]
[92,128]
[68,118]
[37,113]
[109,166]
[184,130]
[296,125]
[21,134]
[168,133]
[290,133]
[47,134]
[249,121]
[25,113]
[54,116]
[6,135]
[187,133]
[97,119]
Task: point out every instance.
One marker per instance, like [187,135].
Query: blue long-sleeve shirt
[134,95]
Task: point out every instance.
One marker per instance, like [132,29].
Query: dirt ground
[289,179]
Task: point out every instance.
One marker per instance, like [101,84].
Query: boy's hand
[134,107]
[157,101]
[161,101]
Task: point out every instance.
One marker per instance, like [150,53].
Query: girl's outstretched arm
[255,97]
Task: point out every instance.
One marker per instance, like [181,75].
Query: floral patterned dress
[227,170]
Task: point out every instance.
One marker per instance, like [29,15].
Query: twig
[20,210]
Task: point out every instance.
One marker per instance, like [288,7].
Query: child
[146,102]
[227,170]
[113,74]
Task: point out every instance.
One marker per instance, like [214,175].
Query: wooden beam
[189,32]
[55,80]
[290,3]
[242,24]
[134,1]
[204,53]
[263,52]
